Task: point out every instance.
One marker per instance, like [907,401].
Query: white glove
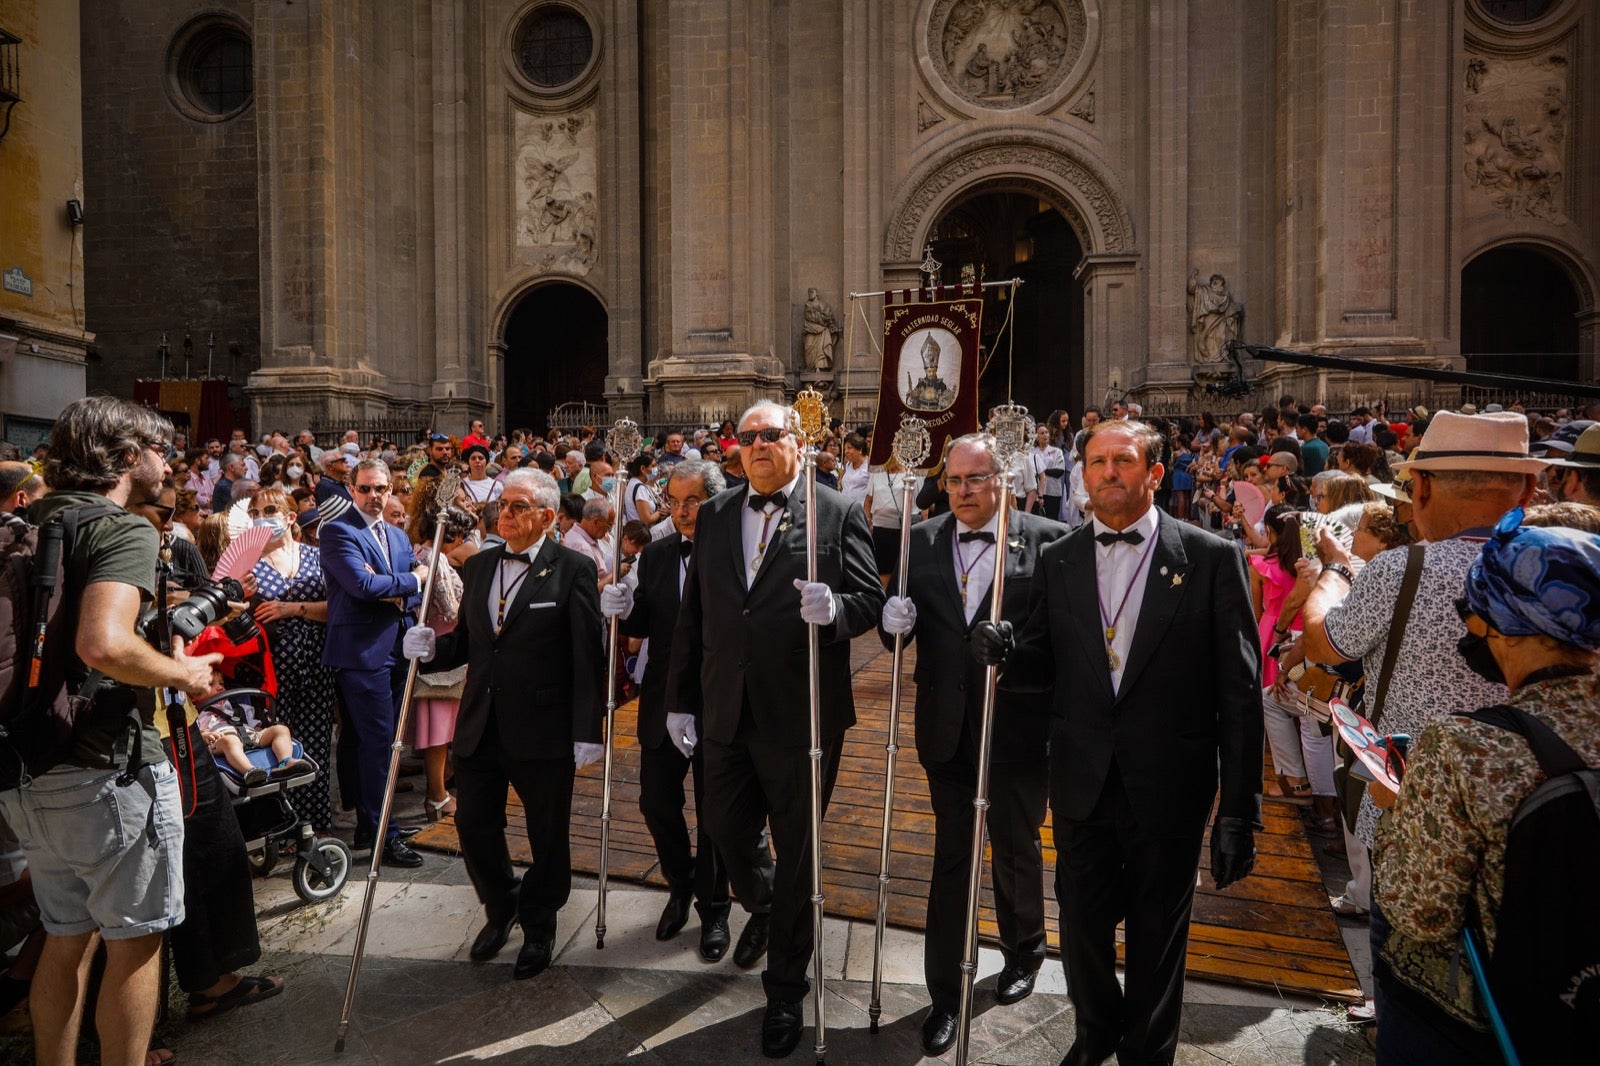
[899,616]
[816,602]
[616,600]
[418,643]
[584,754]
[681,731]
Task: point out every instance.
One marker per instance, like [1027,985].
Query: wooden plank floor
[1274,930]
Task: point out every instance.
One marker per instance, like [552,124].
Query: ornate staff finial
[912,443]
[445,493]
[930,266]
[624,440]
[1012,431]
[810,415]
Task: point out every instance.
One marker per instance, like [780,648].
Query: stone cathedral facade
[379,209]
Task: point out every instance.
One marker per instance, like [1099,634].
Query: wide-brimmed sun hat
[1585,453]
[1490,442]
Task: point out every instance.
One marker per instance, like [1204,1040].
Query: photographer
[105,857]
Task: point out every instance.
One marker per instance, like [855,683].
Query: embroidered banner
[930,365]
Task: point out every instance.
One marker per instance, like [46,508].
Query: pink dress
[438,696]
[1276,585]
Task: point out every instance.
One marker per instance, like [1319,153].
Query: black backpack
[38,656]
[1545,969]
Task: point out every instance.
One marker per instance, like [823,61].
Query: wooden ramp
[1273,930]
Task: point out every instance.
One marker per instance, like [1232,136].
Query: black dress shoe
[714,938]
[363,841]
[491,938]
[533,959]
[938,1031]
[780,1028]
[752,942]
[398,853]
[1014,984]
[1081,1054]
[674,916]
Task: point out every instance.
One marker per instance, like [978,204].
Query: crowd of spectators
[1305,494]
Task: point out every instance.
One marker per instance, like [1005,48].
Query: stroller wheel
[264,859]
[313,886]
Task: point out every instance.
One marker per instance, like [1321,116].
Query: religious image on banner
[930,367]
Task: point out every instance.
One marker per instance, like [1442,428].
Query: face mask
[1480,660]
[276,523]
[608,484]
[296,471]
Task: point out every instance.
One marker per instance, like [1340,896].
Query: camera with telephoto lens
[206,606]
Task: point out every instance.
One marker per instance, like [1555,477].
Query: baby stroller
[271,827]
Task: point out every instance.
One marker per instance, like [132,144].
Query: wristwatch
[1341,570]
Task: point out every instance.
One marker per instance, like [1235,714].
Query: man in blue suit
[374,586]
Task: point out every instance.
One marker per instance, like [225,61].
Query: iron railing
[10,77]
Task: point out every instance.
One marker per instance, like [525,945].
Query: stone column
[1111,353]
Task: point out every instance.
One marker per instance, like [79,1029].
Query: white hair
[546,493]
[575,454]
[784,411]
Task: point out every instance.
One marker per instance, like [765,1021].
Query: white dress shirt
[977,556]
[508,577]
[755,523]
[853,481]
[1116,568]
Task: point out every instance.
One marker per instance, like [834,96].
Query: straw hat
[1491,442]
[1585,454]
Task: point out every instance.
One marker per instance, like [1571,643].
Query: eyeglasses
[673,504]
[368,490]
[403,490]
[269,510]
[771,435]
[971,481]
[164,512]
[519,507]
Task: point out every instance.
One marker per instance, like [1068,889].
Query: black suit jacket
[655,615]
[542,678]
[1189,710]
[735,645]
[949,680]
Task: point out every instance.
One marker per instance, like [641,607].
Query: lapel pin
[540,575]
[1163,571]
[1177,579]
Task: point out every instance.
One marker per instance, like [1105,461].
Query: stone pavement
[641,1001]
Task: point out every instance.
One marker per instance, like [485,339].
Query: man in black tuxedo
[1157,690]
[739,657]
[951,575]
[647,603]
[531,711]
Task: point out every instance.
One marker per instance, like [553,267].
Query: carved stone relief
[927,116]
[1005,53]
[557,215]
[1515,136]
[1084,108]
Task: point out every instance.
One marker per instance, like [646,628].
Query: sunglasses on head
[771,435]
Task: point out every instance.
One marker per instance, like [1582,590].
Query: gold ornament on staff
[624,442]
[444,495]
[809,423]
[1012,430]
[911,446]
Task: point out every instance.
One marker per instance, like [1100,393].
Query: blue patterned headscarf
[1538,580]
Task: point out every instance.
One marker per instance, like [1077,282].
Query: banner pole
[1013,282]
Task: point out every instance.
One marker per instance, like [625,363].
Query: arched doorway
[1519,315]
[1003,234]
[555,353]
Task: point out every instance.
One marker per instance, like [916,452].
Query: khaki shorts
[103,856]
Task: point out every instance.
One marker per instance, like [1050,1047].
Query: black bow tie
[685,547]
[759,502]
[515,557]
[982,534]
[1127,536]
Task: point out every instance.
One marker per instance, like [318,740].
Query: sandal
[440,810]
[249,990]
[1297,794]
[1344,907]
[159,1054]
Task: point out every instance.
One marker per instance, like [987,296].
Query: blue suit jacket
[364,620]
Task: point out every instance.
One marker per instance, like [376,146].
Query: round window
[555,46]
[215,70]
[1517,11]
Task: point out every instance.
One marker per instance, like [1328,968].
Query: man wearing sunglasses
[374,584]
[739,664]
[950,573]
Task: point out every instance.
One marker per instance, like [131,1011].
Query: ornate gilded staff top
[1012,431]
[624,439]
[810,420]
[912,443]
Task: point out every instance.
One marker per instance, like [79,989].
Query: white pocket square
[536,606]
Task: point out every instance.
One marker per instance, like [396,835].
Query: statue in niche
[1215,318]
[822,332]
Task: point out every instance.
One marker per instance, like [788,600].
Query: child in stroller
[230,732]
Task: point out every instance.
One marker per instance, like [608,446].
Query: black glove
[1233,850]
[992,644]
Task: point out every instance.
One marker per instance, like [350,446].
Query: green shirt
[122,548]
[1313,457]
